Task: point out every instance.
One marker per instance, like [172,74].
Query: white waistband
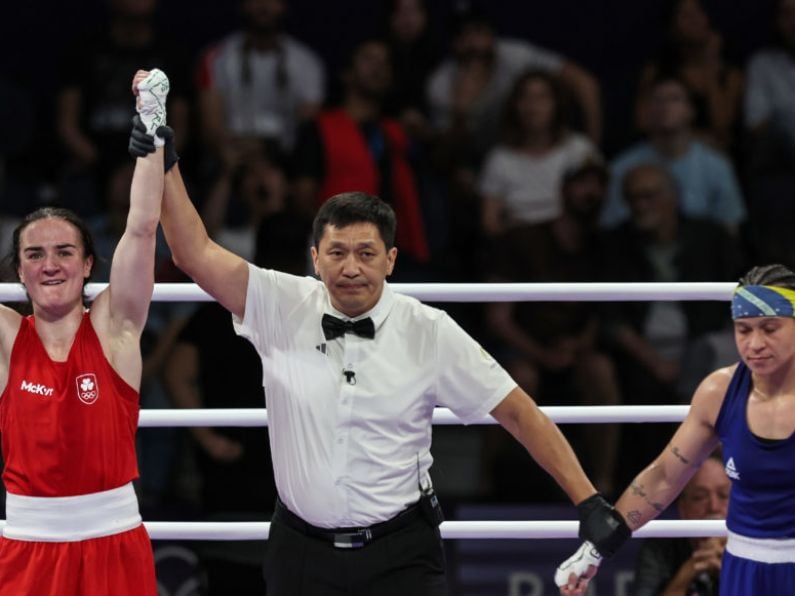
[762,550]
[69,519]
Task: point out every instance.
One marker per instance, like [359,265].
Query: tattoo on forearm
[678,454]
[634,518]
[638,491]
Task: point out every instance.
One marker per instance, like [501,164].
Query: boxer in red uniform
[69,381]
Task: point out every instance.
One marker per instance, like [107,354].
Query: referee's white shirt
[348,454]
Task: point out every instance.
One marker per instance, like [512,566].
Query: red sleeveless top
[67,428]
[350,166]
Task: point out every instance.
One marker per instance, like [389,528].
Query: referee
[352,374]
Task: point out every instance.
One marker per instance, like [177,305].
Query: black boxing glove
[602,525]
[142,144]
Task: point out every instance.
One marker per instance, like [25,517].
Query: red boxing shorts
[119,565]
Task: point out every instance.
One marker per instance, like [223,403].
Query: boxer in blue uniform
[749,407]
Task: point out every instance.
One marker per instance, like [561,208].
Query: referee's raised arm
[219,272]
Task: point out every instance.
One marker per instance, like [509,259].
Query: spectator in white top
[521,179]
[352,373]
[258,82]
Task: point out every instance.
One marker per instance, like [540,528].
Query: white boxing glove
[579,564]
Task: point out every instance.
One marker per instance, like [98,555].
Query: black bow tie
[334,327]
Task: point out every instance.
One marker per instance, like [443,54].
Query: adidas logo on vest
[731,470]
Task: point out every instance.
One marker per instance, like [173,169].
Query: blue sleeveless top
[762,498]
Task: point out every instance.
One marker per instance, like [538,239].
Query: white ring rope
[460,292]
[441,416]
[450,529]
[503,292]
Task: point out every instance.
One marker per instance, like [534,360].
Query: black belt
[347,537]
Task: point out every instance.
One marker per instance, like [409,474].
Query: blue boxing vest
[762,499]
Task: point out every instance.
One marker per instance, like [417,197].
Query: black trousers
[407,562]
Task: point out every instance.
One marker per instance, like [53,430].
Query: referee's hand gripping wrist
[142,144]
[170,156]
[602,525]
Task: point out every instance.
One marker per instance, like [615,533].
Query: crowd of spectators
[491,150]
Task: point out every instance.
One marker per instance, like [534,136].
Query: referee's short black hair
[350,208]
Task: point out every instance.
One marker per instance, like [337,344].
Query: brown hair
[52,213]
[512,131]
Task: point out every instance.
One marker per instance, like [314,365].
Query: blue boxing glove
[142,144]
[602,525]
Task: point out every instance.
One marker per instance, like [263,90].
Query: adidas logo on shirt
[731,470]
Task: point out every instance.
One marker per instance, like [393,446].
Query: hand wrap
[578,564]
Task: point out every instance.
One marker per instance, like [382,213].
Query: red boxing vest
[349,166]
[67,428]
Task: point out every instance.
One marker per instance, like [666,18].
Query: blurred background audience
[518,142]
[693,52]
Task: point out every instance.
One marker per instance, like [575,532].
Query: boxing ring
[437,292]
